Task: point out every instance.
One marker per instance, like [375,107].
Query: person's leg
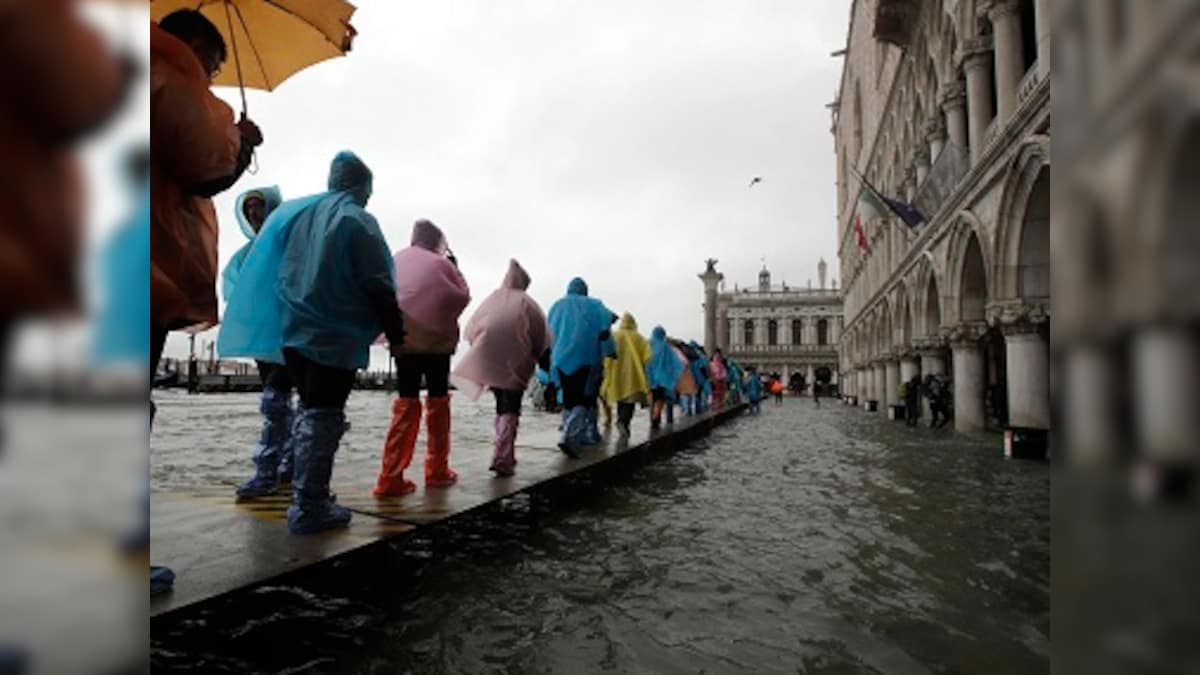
[401,438]
[625,412]
[162,579]
[436,368]
[574,391]
[276,409]
[508,416]
[322,421]
[281,381]
[658,399]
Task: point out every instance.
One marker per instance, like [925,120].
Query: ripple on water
[826,540]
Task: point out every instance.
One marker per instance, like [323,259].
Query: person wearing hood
[735,381]
[582,338]
[432,293]
[720,377]
[509,336]
[272,454]
[625,381]
[315,290]
[687,387]
[754,390]
[699,366]
[663,370]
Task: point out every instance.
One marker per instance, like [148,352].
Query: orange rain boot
[398,449]
[437,454]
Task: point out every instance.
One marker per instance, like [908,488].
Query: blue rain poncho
[322,258]
[577,322]
[271,197]
[664,368]
[754,388]
[120,329]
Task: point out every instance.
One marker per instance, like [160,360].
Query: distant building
[775,327]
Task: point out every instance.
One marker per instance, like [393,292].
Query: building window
[822,332]
[797,332]
[772,332]
[748,332]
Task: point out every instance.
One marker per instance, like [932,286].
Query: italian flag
[868,208]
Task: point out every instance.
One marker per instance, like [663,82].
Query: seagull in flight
[753,181]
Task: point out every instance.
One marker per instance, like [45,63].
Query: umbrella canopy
[271,40]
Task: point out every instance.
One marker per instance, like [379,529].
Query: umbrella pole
[237,61]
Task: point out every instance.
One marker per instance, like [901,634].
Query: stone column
[976,58]
[1167,394]
[954,105]
[879,383]
[1042,11]
[892,381]
[935,135]
[1028,357]
[711,277]
[968,376]
[1092,433]
[810,375]
[909,366]
[933,362]
[1005,16]
[724,330]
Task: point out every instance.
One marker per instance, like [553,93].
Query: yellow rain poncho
[625,376]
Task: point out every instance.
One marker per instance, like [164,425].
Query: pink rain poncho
[507,335]
[430,291]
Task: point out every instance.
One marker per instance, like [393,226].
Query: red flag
[858,230]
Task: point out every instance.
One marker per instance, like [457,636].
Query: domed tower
[822,270]
[764,279]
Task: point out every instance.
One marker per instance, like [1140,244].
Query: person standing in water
[720,378]
[509,337]
[432,293]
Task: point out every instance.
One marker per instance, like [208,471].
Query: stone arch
[932,305]
[969,229]
[1023,254]
[973,295]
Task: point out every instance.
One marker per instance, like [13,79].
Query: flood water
[803,540]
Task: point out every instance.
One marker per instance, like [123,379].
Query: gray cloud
[612,141]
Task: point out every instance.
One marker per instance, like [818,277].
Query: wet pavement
[803,540]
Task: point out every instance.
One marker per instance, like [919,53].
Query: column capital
[952,96]
[935,128]
[1017,318]
[974,52]
[920,154]
[965,334]
[998,9]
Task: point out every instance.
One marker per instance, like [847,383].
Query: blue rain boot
[276,410]
[286,458]
[574,425]
[591,432]
[313,509]
[162,579]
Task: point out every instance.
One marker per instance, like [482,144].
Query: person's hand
[250,131]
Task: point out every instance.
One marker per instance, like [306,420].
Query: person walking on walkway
[937,390]
[754,391]
[625,381]
[432,294]
[509,336]
[581,329]
[663,371]
[720,378]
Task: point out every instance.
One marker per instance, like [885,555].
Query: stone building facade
[946,104]
[775,327]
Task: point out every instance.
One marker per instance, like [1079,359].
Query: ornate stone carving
[975,52]
[935,129]
[712,266]
[1015,318]
[996,9]
[952,95]
[965,334]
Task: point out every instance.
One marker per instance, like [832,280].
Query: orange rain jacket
[193,141]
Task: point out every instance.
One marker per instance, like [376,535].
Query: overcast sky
[608,140]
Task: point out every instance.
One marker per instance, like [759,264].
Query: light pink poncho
[431,292]
[507,335]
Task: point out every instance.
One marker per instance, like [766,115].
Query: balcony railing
[782,349]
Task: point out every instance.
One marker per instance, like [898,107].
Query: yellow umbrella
[271,40]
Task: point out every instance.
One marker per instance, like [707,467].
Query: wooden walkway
[217,546]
